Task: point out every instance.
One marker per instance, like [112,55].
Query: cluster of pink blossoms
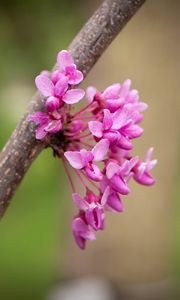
[96,141]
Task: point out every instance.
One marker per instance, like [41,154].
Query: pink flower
[113,200]
[47,124]
[68,68]
[52,104]
[93,207]
[116,96]
[118,175]
[82,232]
[59,90]
[141,170]
[113,97]
[84,159]
[117,127]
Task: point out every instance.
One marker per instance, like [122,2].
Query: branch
[22,147]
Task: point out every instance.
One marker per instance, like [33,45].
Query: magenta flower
[93,208]
[116,96]
[83,159]
[82,232]
[112,199]
[119,175]
[118,127]
[95,141]
[68,68]
[141,170]
[59,90]
[47,124]
[91,93]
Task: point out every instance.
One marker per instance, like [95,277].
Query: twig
[22,147]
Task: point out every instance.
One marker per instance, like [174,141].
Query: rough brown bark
[22,147]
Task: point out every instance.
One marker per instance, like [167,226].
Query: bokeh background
[140,250]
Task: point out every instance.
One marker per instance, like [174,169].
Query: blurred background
[138,255]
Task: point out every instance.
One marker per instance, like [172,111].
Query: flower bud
[52,103]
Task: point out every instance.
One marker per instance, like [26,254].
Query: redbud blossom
[96,142]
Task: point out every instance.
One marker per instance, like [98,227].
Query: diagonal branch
[22,147]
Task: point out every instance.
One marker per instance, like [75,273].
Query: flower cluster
[57,88]
[96,141]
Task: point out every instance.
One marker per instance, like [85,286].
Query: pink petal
[95,128]
[52,103]
[114,203]
[80,227]
[74,158]
[46,73]
[95,218]
[125,143]
[81,242]
[112,91]
[40,132]
[132,97]
[125,88]
[151,164]
[80,202]
[82,232]
[149,154]
[132,162]
[39,117]
[64,59]
[112,136]
[145,179]
[100,150]
[126,126]
[104,184]
[107,120]
[128,165]
[44,85]
[114,104]
[69,70]
[105,195]
[119,119]
[133,131]
[119,185]
[61,87]
[56,76]
[135,115]
[53,126]
[140,106]
[76,77]
[94,173]
[73,96]
[90,93]
[112,169]
[88,235]
[86,156]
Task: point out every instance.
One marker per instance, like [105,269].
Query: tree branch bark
[22,147]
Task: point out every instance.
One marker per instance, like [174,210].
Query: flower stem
[69,176]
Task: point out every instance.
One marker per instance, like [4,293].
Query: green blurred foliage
[31,33]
